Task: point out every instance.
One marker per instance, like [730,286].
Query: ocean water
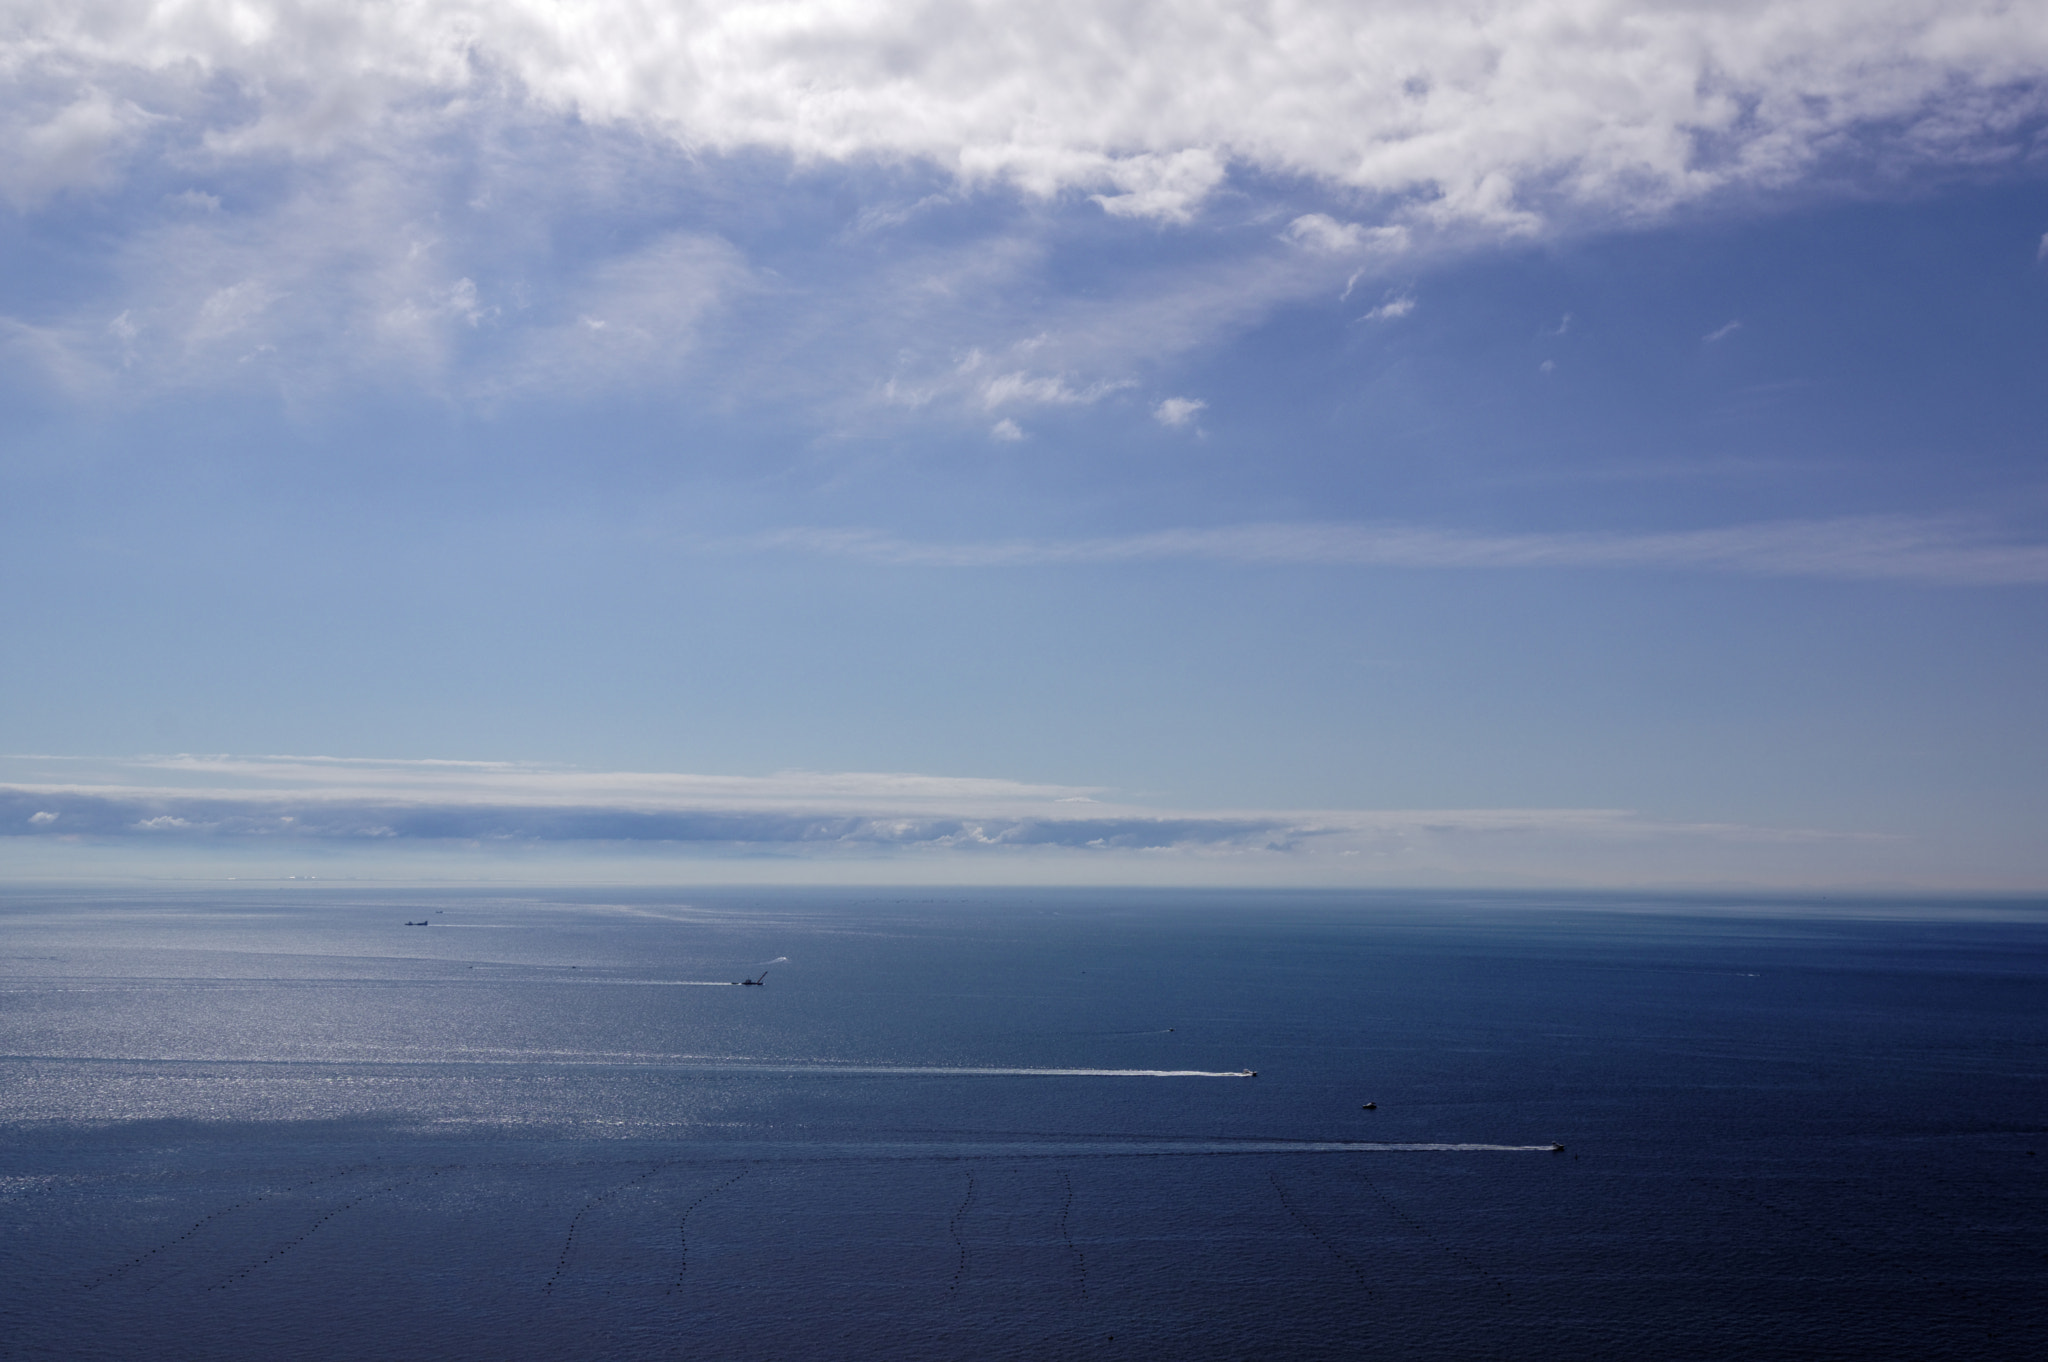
[278,1123]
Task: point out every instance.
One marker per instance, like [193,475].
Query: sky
[1522,443]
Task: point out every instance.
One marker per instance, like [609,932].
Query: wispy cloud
[1721,333]
[502,782]
[1053,390]
[1321,232]
[1179,412]
[1876,548]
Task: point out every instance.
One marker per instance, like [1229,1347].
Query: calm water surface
[260,1124]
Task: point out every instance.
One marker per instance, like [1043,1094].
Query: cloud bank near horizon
[270,806]
[212,817]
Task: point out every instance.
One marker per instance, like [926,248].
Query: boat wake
[967,1071]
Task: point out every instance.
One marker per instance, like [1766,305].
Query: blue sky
[1512,443]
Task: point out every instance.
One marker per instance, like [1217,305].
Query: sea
[309,1121]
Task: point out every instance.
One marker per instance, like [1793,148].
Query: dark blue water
[282,1124]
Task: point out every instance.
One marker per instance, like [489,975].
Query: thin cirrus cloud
[320,190]
[1873,548]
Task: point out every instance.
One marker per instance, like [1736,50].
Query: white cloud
[1178,411]
[44,151]
[329,179]
[42,818]
[1721,333]
[1322,232]
[1876,548]
[1484,110]
[1325,235]
[1045,390]
[2041,251]
[1006,430]
[1168,187]
[1398,306]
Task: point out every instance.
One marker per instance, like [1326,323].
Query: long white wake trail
[979,1072]
[1110,1148]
